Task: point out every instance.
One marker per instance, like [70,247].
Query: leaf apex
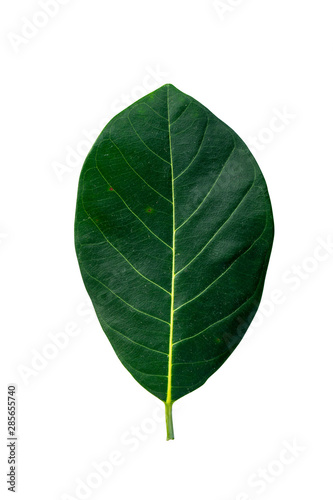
[169,86]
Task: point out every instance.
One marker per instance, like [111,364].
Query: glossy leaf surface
[173,234]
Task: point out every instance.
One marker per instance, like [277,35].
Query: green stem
[168,420]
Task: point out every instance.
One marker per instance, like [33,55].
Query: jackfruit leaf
[173,233]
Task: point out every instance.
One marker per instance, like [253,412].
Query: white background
[247,61]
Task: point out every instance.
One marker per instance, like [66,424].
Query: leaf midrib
[169,386]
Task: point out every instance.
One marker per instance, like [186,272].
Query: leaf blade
[173,233]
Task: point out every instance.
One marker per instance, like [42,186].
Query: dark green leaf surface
[173,234]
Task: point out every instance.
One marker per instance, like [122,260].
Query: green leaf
[173,233]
